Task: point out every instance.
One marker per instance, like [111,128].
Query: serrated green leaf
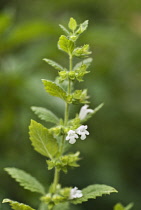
[86,61]
[93,191]
[26,180]
[45,114]
[119,206]
[53,64]
[72,24]
[42,140]
[65,44]
[64,29]
[16,205]
[54,90]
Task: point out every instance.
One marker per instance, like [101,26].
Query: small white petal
[84,111]
[83,137]
[72,141]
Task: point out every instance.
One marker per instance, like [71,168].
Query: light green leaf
[119,206]
[86,61]
[83,27]
[45,114]
[25,180]
[54,64]
[93,191]
[130,205]
[54,90]
[43,141]
[82,51]
[65,44]
[72,24]
[64,29]
[62,206]
[16,205]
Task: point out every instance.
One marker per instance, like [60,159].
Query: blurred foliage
[29,32]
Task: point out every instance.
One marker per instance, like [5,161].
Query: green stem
[56,179]
[66,117]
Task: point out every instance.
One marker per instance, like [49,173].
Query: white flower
[71,137]
[84,111]
[75,193]
[82,131]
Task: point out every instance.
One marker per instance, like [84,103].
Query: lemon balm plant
[54,143]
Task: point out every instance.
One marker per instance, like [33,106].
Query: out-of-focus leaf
[16,205]
[26,180]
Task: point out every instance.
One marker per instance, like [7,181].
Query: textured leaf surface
[42,141]
[45,114]
[25,180]
[93,191]
[119,206]
[86,61]
[54,89]
[72,24]
[65,44]
[54,64]
[16,205]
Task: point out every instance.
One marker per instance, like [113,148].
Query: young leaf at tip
[72,24]
[64,29]
[26,180]
[65,44]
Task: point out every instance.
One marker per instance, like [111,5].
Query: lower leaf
[16,205]
[92,192]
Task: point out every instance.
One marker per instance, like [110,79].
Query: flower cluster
[73,135]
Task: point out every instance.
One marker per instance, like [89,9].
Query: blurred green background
[29,31]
